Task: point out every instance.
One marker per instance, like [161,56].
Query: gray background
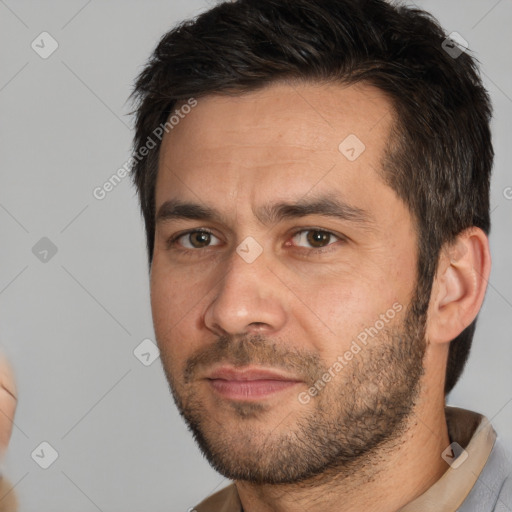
[70,324]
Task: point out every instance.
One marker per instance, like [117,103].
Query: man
[314,179]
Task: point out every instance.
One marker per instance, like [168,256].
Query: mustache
[239,351]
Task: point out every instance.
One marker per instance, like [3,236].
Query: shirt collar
[474,433]
[470,430]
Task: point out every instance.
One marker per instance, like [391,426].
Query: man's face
[280,299]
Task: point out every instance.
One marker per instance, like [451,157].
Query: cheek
[175,299]
[344,306]
[172,293]
[168,330]
[161,305]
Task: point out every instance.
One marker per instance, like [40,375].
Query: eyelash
[171,243]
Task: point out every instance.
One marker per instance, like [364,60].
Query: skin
[237,153]
[8,402]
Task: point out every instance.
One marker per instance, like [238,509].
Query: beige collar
[475,434]
[470,430]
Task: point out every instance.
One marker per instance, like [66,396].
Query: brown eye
[197,239]
[314,238]
[318,238]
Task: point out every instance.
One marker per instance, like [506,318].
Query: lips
[249,383]
[248,374]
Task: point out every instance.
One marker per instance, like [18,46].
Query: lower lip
[249,389]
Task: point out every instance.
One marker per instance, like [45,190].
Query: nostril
[256,326]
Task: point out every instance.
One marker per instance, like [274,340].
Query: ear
[459,286]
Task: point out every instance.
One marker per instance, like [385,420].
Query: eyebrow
[270,213]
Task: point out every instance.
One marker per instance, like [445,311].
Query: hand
[8,402]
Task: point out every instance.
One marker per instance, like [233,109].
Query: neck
[396,473]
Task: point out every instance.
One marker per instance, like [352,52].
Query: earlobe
[459,286]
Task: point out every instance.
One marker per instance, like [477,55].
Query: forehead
[283,139]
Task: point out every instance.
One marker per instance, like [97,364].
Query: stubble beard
[365,407]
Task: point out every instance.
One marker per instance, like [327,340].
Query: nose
[248,299]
